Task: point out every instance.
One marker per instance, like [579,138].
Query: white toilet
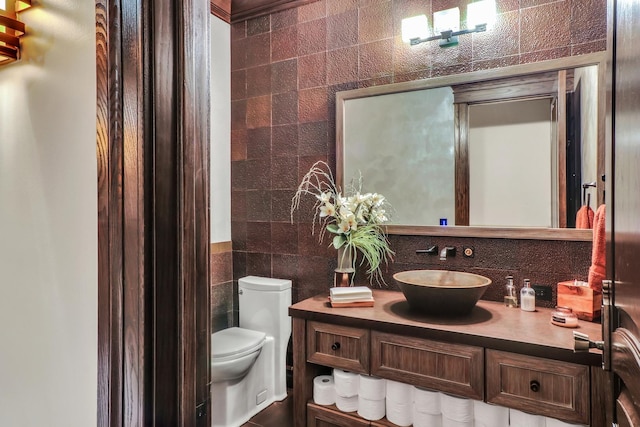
[248,363]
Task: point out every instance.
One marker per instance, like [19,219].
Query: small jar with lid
[565,317]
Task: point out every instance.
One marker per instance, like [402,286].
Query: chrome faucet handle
[432,250]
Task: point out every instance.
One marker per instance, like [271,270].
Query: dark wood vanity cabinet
[489,356]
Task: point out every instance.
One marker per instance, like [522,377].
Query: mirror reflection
[521,150]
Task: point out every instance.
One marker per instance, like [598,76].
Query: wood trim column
[153,195]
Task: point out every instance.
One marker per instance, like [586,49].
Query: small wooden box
[585,302]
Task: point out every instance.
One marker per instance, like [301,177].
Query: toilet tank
[263,305]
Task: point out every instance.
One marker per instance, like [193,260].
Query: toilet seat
[234,343]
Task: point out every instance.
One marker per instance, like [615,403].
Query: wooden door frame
[152,74]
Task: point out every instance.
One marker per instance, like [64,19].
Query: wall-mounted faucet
[433,250]
[447,251]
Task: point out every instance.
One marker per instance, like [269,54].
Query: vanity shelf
[497,354]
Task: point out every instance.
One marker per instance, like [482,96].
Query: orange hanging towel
[597,271]
[584,217]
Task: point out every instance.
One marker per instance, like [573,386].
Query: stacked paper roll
[399,403]
[522,419]
[426,408]
[347,404]
[371,410]
[346,383]
[372,388]
[371,397]
[486,415]
[421,419]
[552,422]
[399,392]
[324,390]
[399,413]
[426,401]
[456,411]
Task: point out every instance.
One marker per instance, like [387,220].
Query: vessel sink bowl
[441,292]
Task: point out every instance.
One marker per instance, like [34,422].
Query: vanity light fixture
[446,24]
[11,29]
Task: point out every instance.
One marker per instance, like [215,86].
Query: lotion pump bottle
[511,298]
[527,297]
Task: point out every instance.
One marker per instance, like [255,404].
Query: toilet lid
[235,342]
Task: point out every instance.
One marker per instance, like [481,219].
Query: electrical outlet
[543,292]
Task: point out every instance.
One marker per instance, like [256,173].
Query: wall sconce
[11,29]
[446,24]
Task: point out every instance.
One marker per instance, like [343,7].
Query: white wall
[48,222]
[510,172]
[220,131]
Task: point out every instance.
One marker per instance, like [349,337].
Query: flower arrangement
[354,220]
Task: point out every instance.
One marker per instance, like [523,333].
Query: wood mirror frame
[571,234]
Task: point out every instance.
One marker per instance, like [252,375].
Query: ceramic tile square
[312,138]
[285,108]
[342,65]
[285,18]
[238,114]
[586,21]
[312,105]
[312,37]
[239,242]
[259,143]
[258,81]
[258,49]
[375,22]
[284,238]
[259,237]
[284,172]
[258,205]
[284,140]
[284,76]
[239,54]
[284,43]
[238,144]
[312,70]
[258,25]
[342,30]
[239,205]
[258,264]
[536,22]
[281,206]
[410,59]
[376,59]
[259,170]
[335,7]
[238,85]
[502,40]
[312,11]
[259,112]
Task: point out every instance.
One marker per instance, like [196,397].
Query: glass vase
[343,274]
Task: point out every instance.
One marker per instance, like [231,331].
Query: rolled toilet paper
[422,419]
[552,422]
[426,401]
[346,383]
[522,419]
[399,413]
[347,404]
[371,410]
[399,392]
[372,388]
[486,415]
[324,392]
[447,422]
[456,408]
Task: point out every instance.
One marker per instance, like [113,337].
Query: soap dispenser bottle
[527,297]
[511,298]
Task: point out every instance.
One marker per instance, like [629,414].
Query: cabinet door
[451,368]
[321,416]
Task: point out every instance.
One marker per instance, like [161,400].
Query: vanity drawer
[338,346]
[542,386]
[330,416]
[451,368]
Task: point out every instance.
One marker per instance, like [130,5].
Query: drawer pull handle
[535,386]
[335,346]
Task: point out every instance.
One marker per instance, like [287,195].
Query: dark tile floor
[278,414]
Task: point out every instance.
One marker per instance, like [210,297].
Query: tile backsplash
[286,69]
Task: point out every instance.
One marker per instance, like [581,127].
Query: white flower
[324,197]
[327,210]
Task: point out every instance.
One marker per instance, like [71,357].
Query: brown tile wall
[224,311]
[286,69]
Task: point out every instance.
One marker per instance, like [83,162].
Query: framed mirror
[512,152]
